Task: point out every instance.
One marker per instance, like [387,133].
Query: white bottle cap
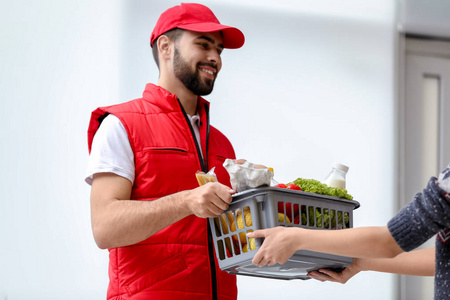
[340,167]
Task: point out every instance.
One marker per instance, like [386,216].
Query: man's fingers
[212,200]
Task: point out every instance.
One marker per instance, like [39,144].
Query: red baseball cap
[199,18]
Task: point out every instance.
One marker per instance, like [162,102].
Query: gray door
[426,149]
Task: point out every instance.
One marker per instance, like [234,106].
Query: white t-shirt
[111,150]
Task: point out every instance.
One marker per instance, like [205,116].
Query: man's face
[197,60]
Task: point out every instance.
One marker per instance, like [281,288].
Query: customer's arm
[416,263]
[280,243]
[118,221]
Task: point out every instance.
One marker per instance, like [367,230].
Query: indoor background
[316,82]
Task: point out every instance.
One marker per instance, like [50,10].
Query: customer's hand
[278,246]
[341,277]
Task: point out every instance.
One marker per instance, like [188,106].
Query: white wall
[58,61]
[313,84]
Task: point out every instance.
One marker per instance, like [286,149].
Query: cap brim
[233,38]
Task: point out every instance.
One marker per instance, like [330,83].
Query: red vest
[179,261]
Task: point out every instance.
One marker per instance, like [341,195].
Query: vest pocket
[220,158]
[157,273]
[171,150]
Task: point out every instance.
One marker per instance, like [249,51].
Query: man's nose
[214,56]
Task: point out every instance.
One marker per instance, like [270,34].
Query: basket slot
[346,220]
[289,213]
[296,214]
[333,219]
[217,228]
[247,216]
[303,218]
[220,249]
[340,220]
[311,216]
[228,247]
[231,221]
[237,219]
[319,217]
[326,218]
[235,242]
[250,243]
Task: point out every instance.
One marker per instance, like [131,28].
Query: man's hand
[209,200]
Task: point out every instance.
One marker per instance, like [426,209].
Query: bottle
[336,178]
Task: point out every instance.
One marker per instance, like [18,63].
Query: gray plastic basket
[269,207]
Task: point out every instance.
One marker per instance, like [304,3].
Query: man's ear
[165,46]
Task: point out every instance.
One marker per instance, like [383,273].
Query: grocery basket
[268,207]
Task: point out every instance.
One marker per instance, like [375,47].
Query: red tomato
[293,187]
[281,185]
[281,207]
[288,209]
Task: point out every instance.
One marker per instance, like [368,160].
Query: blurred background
[317,82]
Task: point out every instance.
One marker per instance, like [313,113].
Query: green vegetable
[315,186]
[315,218]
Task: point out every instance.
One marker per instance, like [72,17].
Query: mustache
[212,65]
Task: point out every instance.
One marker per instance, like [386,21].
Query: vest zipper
[204,166]
[212,255]
[207,134]
[197,147]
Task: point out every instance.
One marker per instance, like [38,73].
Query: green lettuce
[315,186]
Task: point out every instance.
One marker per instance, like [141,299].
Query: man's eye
[203,45]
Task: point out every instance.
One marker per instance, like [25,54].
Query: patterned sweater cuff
[401,231]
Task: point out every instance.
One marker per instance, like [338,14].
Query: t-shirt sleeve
[111,151]
[426,215]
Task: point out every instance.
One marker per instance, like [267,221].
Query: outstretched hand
[341,277]
[278,246]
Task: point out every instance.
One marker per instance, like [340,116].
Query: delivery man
[146,206]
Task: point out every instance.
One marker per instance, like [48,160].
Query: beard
[191,78]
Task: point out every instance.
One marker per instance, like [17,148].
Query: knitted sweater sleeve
[426,215]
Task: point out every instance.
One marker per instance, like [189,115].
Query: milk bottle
[336,178]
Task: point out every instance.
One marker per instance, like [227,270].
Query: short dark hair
[173,34]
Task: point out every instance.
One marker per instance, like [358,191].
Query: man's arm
[118,221]
[416,263]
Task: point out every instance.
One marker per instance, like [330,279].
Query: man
[146,206]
